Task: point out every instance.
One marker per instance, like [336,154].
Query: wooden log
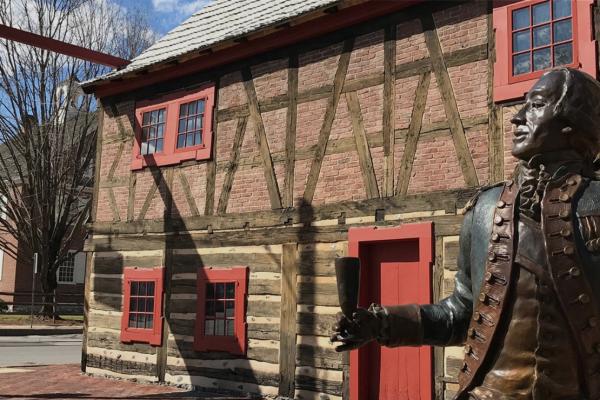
[121,366]
[287,350]
[261,139]
[104,301]
[231,374]
[312,356]
[318,385]
[495,131]
[463,153]
[447,200]
[315,324]
[332,103]
[111,341]
[256,262]
[115,265]
[362,147]
[107,285]
[184,349]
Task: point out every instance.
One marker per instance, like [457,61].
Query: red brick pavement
[67,382]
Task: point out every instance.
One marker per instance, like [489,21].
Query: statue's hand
[356,332]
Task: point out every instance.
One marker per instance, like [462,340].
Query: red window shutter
[151,334]
[235,344]
[508,86]
[170,154]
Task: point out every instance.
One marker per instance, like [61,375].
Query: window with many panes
[542,36]
[221,309]
[153,131]
[189,128]
[174,128]
[142,305]
[66,269]
[533,36]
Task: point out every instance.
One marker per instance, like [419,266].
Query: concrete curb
[20,330]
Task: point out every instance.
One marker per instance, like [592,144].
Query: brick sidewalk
[67,382]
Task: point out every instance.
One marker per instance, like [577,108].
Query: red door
[393,271]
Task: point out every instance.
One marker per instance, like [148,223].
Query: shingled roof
[219,21]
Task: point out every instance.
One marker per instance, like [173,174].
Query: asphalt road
[40,350]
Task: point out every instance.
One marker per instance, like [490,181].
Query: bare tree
[48,127]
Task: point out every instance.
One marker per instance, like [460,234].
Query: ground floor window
[142,305]
[221,310]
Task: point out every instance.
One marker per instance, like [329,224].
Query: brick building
[253,144]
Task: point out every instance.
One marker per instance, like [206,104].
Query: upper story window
[174,128]
[221,310]
[153,131]
[189,131]
[533,36]
[542,37]
[142,305]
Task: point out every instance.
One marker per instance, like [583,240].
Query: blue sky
[165,15]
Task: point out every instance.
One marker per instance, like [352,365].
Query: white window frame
[72,282]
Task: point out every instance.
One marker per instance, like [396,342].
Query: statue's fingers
[349,346]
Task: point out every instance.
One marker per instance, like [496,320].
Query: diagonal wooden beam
[332,103]
[290,132]
[115,164]
[389,80]
[188,193]
[261,139]
[362,146]
[233,165]
[113,205]
[150,196]
[412,136]
[442,77]
[211,165]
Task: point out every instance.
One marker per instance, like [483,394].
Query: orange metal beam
[57,46]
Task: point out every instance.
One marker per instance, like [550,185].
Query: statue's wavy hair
[579,106]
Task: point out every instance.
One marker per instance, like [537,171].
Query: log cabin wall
[386,123]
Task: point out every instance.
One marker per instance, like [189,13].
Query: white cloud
[182,7]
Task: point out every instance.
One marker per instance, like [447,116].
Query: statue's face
[538,129]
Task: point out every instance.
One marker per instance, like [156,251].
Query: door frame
[423,232]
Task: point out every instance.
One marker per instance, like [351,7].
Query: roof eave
[281,34]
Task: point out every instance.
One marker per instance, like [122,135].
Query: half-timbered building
[250,146]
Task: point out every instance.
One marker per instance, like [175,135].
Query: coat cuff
[400,325]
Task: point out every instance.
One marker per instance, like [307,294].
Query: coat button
[569,250]
[583,298]
[488,276]
[509,183]
[498,220]
[574,272]
[565,232]
[482,297]
[495,237]
[492,257]
[468,349]
[564,214]
[571,182]
[501,204]
[565,198]
[477,316]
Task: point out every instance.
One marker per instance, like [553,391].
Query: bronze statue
[527,298]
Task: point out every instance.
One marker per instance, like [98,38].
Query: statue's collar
[558,163]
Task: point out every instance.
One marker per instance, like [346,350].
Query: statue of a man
[527,299]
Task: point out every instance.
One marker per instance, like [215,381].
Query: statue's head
[561,112]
